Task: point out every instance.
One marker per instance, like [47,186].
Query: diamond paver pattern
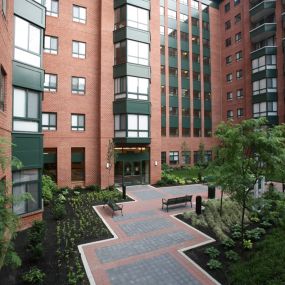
[130,216]
[146,226]
[158,270]
[136,247]
[148,195]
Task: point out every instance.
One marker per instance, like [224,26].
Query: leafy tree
[8,220]
[110,158]
[247,151]
[201,163]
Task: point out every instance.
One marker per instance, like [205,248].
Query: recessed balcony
[267,50]
[262,10]
[283,19]
[262,32]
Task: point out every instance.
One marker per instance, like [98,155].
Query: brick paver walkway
[148,242]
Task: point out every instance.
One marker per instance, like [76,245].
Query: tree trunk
[5,245]
[243,214]
[221,204]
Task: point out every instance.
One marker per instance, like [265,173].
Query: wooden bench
[115,207]
[177,200]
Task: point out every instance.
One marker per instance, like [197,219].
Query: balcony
[283,19]
[262,10]
[267,50]
[262,32]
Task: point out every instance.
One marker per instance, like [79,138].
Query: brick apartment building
[156,77]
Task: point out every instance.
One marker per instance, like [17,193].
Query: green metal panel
[132,141]
[172,42]
[185,64]
[205,17]
[163,100]
[172,23]
[186,122]
[28,148]
[131,107]
[206,34]
[172,61]
[195,31]
[195,13]
[185,83]
[31,11]
[162,79]
[28,76]
[184,27]
[133,156]
[185,102]
[184,45]
[196,66]
[173,81]
[173,101]
[206,51]
[172,5]
[264,97]
[173,121]
[162,59]
[263,51]
[197,123]
[196,48]
[163,121]
[197,104]
[145,4]
[207,68]
[162,40]
[262,10]
[131,34]
[208,123]
[268,73]
[208,105]
[131,69]
[77,156]
[197,85]
[50,157]
[262,32]
[207,87]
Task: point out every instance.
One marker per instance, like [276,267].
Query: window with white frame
[78,85]
[51,45]
[239,55]
[195,4]
[229,77]
[264,85]
[263,62]
[172,14]
[239,74]
[27,42]
[230,114]
[229,59]
[77,122]
[240,112]
[50,83]
[183,18]
[185,2]
[26,110]
[240,93]
[78,49]
[264,109]
[49,121]
[229,96]
[238,37]
[51,7]
[79,14]
[174,157]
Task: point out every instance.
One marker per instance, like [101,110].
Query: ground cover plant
[49,250]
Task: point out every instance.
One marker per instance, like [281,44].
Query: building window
[162,50]
[132,17]
[172,14]
[236,2]
[229,59]
[26,110]
[50,163]
[205,25]
[264,109]
[238,37]
[230,114]
[49,121]
[206,43]
[173,157]
[161,11]
[186,157]
[185,132]
[240,93]
[239,74]
[185,2]
[195,22]
[77,164]
[78,49]
[229,77]
[79,14]
[227,7]
[264,85]
[183,18]
[196,76]
[78,85]
[227,25]
[173,111]
[51,7]
[2,88]
[197,132]
[50,83]
[263,62]
[162,30]
[172,52]
[195,4]
[77,122]
[4,7]
[173,131]
[27,43]
[239,55]
[185,93]
[195,40]
[163,157]
[26,181]
[229,96]
[173,71]
[172,33]
[240,112]
[51,44]
[184,36]
[228,42]
[237,18]
[184,73]
[184,55]
[173,91]
[163,131]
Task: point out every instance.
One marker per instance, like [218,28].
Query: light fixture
[155,163]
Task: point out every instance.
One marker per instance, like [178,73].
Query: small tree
[110,158]
[184,147]
[247,151]
[201,163]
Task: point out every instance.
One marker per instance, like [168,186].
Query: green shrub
[214,264]
[36,251]
[247,244]
[161,183]
[236,235]
[58,211]
[93,187]
[232,255]
[228,243]
[60,199]
[36,232]
[49,187]
[265,224]
[34,276]
[255,234]
[212,252]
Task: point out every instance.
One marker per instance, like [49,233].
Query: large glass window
[174,157]
[27,42]
[79,14]
[25,110]
[186,157]
[264,85]
[4,7]
[49,121]
[77,122]
[26,181]
[78,85]
[51,7]
[78,49]
[50,84]
[78,164]
[50,163]
[172,14]
[264,109]
[264,62]
[51,44]
[132,17]
[132,126]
